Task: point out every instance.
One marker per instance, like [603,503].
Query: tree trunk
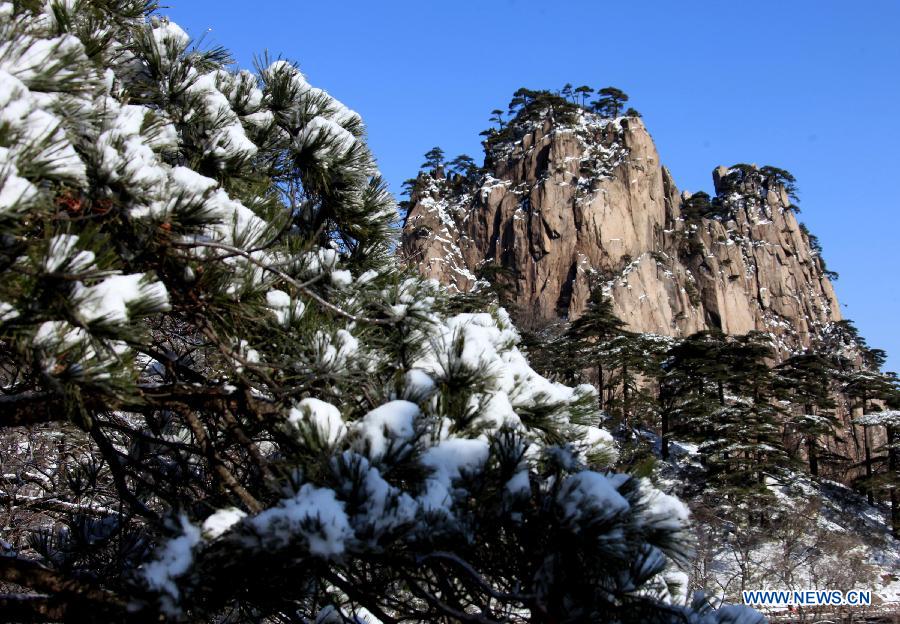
[812,449]
[760,476]
[869,497]
[664,435]
[600,386]
[895,496]
[895,513]
[813,456]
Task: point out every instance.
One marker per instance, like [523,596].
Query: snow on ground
[839,533]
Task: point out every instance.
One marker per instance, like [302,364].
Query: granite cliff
[564,205]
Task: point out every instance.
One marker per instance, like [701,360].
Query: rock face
[570,206]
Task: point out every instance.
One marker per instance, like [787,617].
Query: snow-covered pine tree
[692,387]
[805,380]
[593,342]
[223,402]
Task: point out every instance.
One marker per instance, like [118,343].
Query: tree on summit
[434,158]
[463,165]
[521,98]
[781,177]
[610,102]
[585,92]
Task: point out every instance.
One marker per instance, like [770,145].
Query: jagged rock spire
[568,205]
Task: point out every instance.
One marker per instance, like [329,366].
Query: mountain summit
[569,200]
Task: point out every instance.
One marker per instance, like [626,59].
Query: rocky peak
[568,201]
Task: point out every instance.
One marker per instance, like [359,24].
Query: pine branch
[473,573]
[224,473]
[34,408]
[356,592]
[443,607]
[290,280]
[71,600]
[52,503]
[31,408]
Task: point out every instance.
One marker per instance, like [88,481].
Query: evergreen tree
[434,158]
[692,387]
[520,99]
[840,341]
[464,165]
[598,341]
[719,391]
[589,337]
[633,360]
[805,380]
[883,471]
[497,117]
[696,207]
[889,418]
[409,187]
[610,101]
[585,92]
[406,190]
[550,353]
[866,387]
[780,177]
[259,416]
[567,92]
[632,112]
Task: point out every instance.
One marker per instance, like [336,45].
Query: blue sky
[810,86]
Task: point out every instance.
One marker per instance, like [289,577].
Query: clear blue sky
[810,86]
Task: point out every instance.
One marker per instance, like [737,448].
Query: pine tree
[549,353]
[567,92]
[883,472]
[497,117]
[890,419]
[692,386]
[406,190]
[841,340]
[258,415]
[434,158]
[805,380]
[865,387]
[598,341]
[590,335]
[696,207]
[610,101]
[520,99]
[464,166]
[782,178]
[750,427]
[585,92]
[701,206]
[719,391]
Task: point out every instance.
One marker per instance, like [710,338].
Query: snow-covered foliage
[273,420]
[818,534]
